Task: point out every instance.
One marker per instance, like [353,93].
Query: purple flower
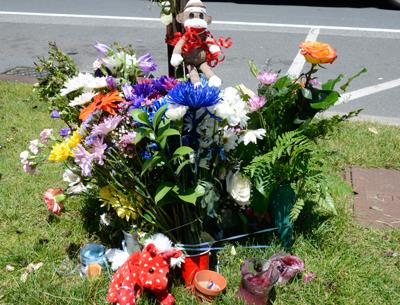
[128,92]
[127,139]
[145,90]
[146,64]
[315,83]
[111,82]
[90,139]
[65,132]
[55,114]
[146,155]
[164,84]
[98,148]
[256,103]
[84,159]
[108,125]
[102,48]
[267,78]
[86,123]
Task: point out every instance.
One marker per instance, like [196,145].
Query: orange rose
[317,52]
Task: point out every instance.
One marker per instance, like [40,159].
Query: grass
[351,262]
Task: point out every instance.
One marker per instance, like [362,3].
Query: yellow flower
[124,207]
[60,152]
[75,139]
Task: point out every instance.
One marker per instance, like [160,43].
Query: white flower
[119,59]
[83,80]
[97,64]
[166,19]
[232,108]
[239,187]
[82,99]
[70,177]
[229,139]
[252,136]
[176,112]
[75,186]
[105,219]
[24,156]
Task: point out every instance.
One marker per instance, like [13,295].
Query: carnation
[232,108]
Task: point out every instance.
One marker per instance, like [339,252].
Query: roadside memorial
[183,157]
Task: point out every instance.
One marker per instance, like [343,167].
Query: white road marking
[221,22]
[364,117]
[368,91]
[299,61]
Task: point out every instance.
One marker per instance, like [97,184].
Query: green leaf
[181,151]
[344,87]
[167,133]
[253,68]
[163,190]
[330,84]
[282,82]
[306,93]
[181,166]
[190,195]
[327,102]
[150,163]
[140,116]
[149,218]
[158,116]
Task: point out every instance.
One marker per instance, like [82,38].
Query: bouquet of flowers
[166,155]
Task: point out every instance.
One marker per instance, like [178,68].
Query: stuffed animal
[145,270]
[197,48]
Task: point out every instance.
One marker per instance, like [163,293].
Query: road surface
[265,31]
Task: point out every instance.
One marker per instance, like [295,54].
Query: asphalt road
[265,31]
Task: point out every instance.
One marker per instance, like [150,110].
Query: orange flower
[107,102]
[317,52]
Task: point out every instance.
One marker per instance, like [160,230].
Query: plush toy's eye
[201,16]
[191,15]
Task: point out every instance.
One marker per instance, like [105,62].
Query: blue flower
[146,155]
[187,94]
[55,114]
[65,132]
[152,110]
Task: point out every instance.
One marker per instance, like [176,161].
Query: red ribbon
[194,41]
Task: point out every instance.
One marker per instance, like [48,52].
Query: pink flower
[267,78]
[256,103]
[34,146]
[309,277]
[315,83]
[45,134]
[53,199]
[29,168]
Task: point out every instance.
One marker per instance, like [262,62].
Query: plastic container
[209,283]
[93,253]
[193,264]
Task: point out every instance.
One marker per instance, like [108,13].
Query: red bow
[194,41]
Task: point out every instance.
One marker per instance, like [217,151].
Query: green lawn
[351,263]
